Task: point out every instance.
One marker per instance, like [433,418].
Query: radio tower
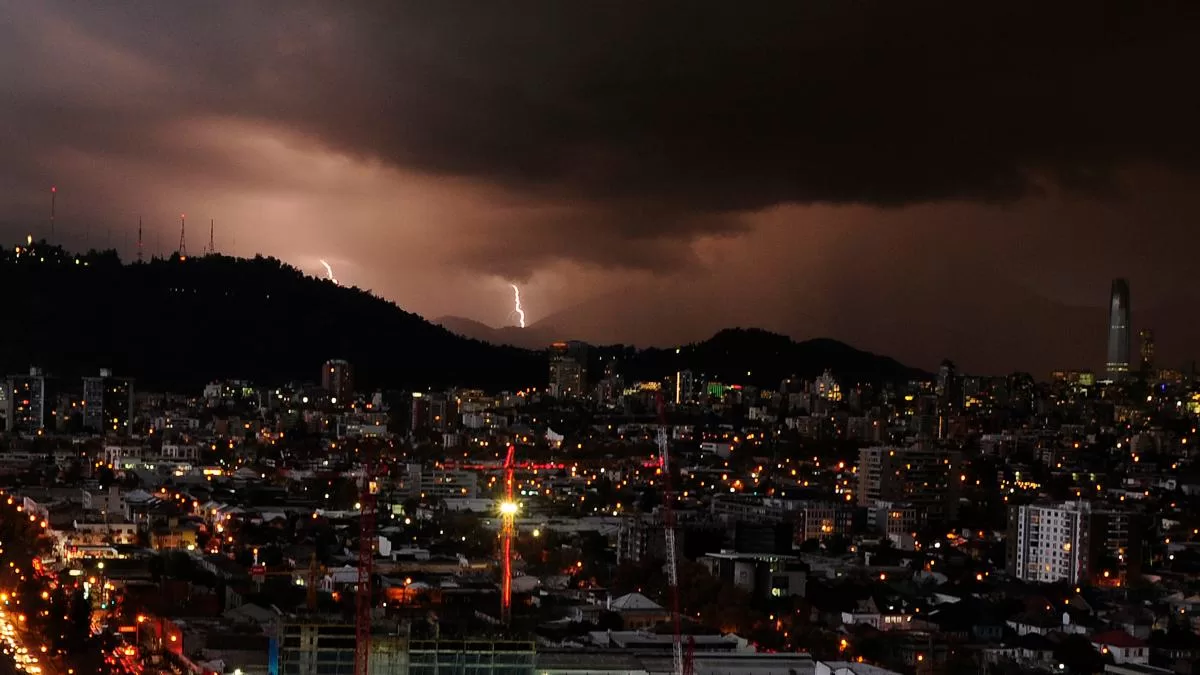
[139,251]
[183,236]
[53,196]
[366,563]
[211,248]
[508,513]
[680,665]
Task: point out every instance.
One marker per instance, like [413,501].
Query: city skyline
[565,337]
[920,157]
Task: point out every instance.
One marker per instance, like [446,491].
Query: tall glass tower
[1118,331]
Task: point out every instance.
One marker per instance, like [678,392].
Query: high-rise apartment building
[685,385]
[1118,536]
[337,378]
[949,387]
[1074,542]
[431,411]
[1117,365]
[1050,542]
[1147,350]
[30,403]
[568,369]
[924,476]
[107,404]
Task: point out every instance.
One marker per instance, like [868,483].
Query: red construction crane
[681,665]
[508,513]
[366,562]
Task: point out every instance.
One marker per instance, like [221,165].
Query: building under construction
[328,648]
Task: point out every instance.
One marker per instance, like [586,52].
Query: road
[24,652]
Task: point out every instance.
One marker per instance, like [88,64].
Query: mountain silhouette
[178,324]
[764,359]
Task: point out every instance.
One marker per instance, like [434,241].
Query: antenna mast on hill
[139,245]
[53,196]
[211,247]
[183,236]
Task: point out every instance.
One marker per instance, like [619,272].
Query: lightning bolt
[517,305]
[329,272]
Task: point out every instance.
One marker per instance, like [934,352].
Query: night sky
[922,179]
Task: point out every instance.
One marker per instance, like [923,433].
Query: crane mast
[508,513]
[680,666]
[366,562]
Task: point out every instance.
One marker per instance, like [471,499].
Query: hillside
[175,324]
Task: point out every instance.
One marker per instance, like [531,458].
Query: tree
[1078,655]
[59,618]
[610,621]
[79,626]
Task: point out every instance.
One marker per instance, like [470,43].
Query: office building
[756,537]
[337,378]
[479,656]
[762,575]
[568,369]
[925,477]
[315,648]
[107,404]
[1117,365]
[818,520]
[436,482]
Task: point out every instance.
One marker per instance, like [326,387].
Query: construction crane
[681,665]
[508,515]
[366,562]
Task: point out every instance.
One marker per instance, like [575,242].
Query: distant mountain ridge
[537,336]
[731,355]
[765,359]
[178,324]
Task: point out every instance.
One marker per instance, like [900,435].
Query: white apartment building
[1050,542]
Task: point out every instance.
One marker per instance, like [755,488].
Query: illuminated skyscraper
[1117,365]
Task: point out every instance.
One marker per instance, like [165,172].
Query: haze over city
[925,180]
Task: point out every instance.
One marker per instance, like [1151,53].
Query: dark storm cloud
[724,106]
[602,109]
